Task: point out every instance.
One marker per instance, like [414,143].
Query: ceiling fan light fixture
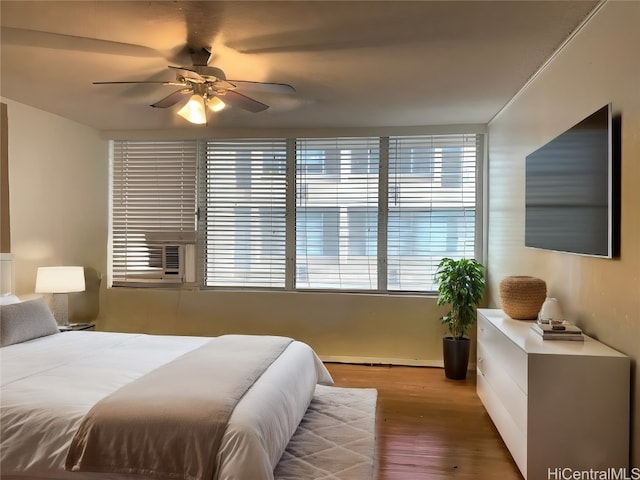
[215,104]
[194,110]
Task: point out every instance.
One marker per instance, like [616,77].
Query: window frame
[291,266]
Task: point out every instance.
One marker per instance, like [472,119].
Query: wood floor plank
[429,427]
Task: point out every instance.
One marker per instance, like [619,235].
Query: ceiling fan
[206,85]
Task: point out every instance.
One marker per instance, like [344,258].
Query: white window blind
[153,200]
[349,213]
[245,213]
[337,213]
[432,206]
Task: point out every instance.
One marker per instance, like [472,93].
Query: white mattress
[48,385]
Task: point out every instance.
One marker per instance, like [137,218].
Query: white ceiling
[353,63]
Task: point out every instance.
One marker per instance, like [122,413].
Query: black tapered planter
[455,352]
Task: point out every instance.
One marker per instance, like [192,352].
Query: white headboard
[7,273]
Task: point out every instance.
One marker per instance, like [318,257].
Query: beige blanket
[168,424]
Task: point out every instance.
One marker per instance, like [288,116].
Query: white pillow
[24,321]
[9,299]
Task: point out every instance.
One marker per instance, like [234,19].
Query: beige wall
[58,172]
[601,64]
[341,327]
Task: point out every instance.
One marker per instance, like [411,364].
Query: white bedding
[49,383]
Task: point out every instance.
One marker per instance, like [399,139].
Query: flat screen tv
[572,190]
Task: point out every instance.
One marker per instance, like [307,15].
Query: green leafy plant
[461,284]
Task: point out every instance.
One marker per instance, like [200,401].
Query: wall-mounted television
[572,190]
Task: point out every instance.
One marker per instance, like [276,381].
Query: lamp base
[60,308]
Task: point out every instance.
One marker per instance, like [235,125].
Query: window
[244,205]
[317,232]
[362,225]
[432,206]
[349,213]
[153,202]
[331,243]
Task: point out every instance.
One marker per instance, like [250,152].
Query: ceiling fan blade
[190,74]
[36,38]
[347,27]
[224,85]
[172,99]
[236,99]
[177,84]
[210,71]
[305,40]
[263,86]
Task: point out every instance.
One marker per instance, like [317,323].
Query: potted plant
[460,284]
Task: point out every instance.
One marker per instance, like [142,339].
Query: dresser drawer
[513,399]
[513,437]
[507,355]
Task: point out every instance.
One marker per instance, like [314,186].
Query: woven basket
[522,296]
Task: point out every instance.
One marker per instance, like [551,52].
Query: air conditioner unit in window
[168,261]
[168,264]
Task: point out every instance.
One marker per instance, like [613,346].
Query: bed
[50,382]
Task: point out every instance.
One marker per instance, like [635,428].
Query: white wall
[601,64]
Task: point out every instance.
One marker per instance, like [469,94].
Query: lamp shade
[215,104]
[194,110]
[60,279]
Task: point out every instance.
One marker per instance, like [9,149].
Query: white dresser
[557,404]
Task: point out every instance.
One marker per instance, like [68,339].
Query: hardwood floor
[429,427]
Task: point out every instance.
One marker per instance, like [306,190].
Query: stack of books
[558,332]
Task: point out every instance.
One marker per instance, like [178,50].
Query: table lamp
[60,281]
